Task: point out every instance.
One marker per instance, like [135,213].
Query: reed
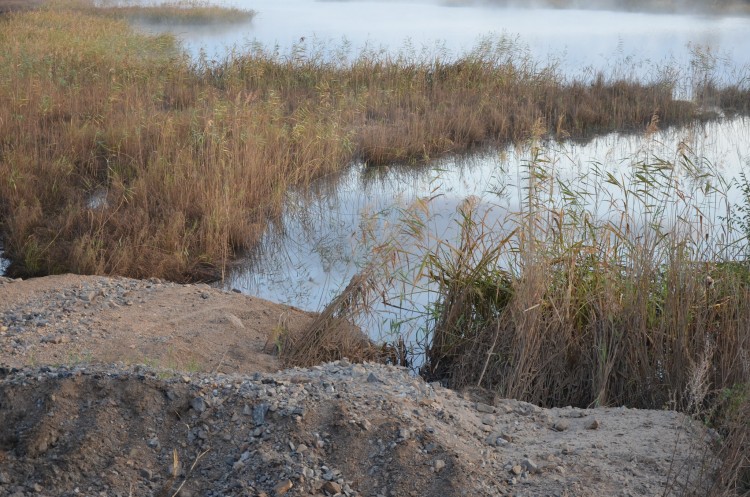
[603,290]
[173,12]
[121,156]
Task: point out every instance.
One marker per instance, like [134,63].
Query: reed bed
[618,287]
[118,155]
[173,12]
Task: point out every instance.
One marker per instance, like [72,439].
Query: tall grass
[174,12]
[617,287]
[118,155]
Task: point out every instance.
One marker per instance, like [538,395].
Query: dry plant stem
[121,156]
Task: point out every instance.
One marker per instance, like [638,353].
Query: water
[326,236]
[583,41]
[323,242]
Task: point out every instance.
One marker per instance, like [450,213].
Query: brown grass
[120,156]
[648,307]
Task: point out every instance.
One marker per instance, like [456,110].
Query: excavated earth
[120,387]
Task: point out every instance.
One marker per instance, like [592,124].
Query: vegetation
[121,156]
[600,290]
[118,155]
[176,11]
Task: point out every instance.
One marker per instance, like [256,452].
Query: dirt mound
[70,319]
[333,429]
[230,425]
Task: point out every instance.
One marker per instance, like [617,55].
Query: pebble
[488,419]
[331,488]
[199,404]
[282,487]
[561,425]
[529,465]
[259,413]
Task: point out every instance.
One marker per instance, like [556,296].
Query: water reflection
[327,236]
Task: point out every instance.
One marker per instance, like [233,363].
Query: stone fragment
[439,465]
[516,469]
[331,488]
[198,404]
[371,378]
[496,439]
[282,487]
[561,425]
[488,419]
[594,425]
[404,433]
[259,413]
[530,466]
[235,321]
[485,408]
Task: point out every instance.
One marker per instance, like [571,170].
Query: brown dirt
[207,415]
[69,319]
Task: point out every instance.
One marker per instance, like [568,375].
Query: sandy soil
[70,319]
[114,386]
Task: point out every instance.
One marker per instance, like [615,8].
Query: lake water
[582,41]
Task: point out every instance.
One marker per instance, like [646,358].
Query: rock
[594,425]
[282,487]
[485,408]
[198,404]
[496,439]
[439,465]
[404,433]
[516,469]
[561,425]
[373,379]
[488,419]
[259,413]
[154,443]
[529,466]
[331,488]
[235,321]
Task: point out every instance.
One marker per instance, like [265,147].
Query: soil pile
[113,429]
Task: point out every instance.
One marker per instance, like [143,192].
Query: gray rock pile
[337,429]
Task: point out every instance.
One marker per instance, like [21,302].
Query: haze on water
[583,41]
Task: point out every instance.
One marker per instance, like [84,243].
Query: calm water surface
[320,244]
[583,41]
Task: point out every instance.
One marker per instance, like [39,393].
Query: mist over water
[583,41]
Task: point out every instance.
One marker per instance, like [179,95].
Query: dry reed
[121,156]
